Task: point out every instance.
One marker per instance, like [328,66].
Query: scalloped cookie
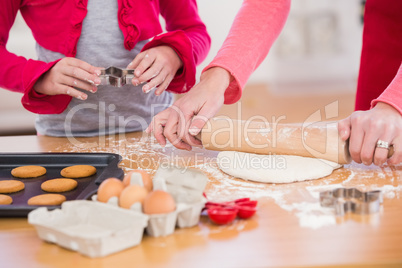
[25,172]
[59,185]
[78,171]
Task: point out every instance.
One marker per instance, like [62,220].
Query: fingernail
[90,81]
[82,97]
[135,82]
[97,72]
[97,81]
[147,130]
[146,89]
[344,134]
[94,89]
[137,73]
[158,91]
[194,131]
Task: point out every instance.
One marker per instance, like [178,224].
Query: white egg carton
[186,186]
[92,228]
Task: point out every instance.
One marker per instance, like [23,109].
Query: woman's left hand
[365,128]
[158,66]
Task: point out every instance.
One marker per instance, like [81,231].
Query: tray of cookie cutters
[186,186]
[345,200]
[116,77]
[93,229]
[105,163]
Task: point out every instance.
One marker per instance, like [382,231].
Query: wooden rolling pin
[309,139]
[318,139]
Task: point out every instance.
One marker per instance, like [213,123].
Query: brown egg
[109,188]
[132,194]
[146,179]
[159,202]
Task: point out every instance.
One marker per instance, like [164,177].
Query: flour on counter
[137,153]
[390,192]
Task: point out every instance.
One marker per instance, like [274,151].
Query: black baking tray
[106,166]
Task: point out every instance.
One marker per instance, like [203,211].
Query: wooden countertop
[290,228]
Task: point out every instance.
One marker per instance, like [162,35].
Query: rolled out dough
[274,168]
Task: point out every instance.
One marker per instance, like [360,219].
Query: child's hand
[66,75]
[159,65]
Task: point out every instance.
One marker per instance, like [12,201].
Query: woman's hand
[67,75]
[181,122]
[157,65]
[365,128]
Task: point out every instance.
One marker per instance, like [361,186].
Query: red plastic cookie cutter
[226,212]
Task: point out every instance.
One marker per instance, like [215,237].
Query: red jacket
[380,76]
[56,25]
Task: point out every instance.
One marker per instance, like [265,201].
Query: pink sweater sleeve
[256,27]
[392,95]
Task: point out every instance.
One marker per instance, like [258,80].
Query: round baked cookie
[78,171]
[59,185]
[11,186]
[28,172]
[5,199]
[46,200]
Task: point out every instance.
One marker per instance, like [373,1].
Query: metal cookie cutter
[115,76]
[351,200]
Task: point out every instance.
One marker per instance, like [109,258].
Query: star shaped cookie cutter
[116,77]
[345,200]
